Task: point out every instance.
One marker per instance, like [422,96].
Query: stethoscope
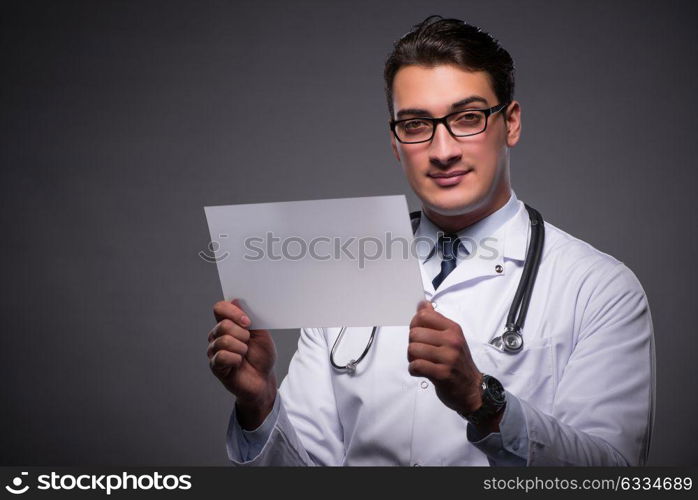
[511,341]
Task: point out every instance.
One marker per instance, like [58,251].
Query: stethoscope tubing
[522,298]
[511,341]
[351,365]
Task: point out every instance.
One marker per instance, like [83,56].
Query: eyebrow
[454,106]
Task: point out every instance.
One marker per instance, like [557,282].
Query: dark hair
[451,41]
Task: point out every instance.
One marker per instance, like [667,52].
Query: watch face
[495,389]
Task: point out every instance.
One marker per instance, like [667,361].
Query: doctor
[437,392]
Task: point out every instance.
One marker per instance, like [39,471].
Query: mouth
[449,178]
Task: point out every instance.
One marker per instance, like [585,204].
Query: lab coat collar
[501,235]
[518,231]
[472,236]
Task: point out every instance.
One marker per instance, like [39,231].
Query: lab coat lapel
[480,265]
[426,281]
[487,254]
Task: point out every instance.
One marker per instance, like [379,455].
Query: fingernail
[245,320]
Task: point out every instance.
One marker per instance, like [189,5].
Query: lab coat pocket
[528,374]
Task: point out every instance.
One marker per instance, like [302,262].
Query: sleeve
[243,445]
[603,411]
[509,446]
[303,428]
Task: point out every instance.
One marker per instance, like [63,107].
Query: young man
[580,391]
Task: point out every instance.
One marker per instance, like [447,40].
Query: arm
[303,427]
[604,401]
[604,404]
[507,443]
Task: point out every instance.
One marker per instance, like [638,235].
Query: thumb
[237,303]
[246,321]
[424,304]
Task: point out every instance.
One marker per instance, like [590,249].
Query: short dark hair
[437,41]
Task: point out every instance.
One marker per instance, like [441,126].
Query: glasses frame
[444,120]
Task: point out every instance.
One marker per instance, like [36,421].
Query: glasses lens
[414,130]
[468,122]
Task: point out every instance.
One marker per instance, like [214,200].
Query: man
[579,392]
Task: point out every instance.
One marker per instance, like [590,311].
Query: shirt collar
[501,231]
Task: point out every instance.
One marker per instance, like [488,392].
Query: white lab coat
[580,393]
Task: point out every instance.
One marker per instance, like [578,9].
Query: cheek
[484,155]
[412,168]
[412,158]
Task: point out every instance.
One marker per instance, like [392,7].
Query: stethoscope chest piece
[510,342]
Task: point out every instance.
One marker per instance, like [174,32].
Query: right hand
[243,360]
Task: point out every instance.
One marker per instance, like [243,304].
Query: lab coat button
[424,384]
[415,465]
[434,305]
[498,268]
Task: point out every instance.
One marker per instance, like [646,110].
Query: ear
[513,123]
[393,145]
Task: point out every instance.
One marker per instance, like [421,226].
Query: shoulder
[599,281]
[575,257]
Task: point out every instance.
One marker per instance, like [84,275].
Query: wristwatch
[493,401]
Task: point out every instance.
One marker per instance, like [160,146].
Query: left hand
[438,351]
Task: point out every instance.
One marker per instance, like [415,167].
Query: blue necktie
[448,244]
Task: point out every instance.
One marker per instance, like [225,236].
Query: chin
[452,203]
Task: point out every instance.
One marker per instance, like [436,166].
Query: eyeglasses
[459,124]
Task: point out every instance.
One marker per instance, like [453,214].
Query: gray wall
[121,120]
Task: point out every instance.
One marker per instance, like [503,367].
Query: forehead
[435,88]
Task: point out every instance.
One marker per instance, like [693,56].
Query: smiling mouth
[449,179]
[446,175]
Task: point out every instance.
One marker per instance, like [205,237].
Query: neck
[455,223]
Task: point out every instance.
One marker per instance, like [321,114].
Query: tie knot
[448,244]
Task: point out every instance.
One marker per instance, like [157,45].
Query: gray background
[121,120]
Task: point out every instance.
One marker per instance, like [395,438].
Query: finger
[426,352]
[429,318]
[259,333]
[213,333]
[227,327]
[232,311]
[226,343]
[427,336]
[428,369]
[224,361]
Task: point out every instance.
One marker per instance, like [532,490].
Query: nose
[444,149]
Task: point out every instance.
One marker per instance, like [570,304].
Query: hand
[243,360]
[438,351]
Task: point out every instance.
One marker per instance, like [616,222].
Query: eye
[469,117]
[415,125]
